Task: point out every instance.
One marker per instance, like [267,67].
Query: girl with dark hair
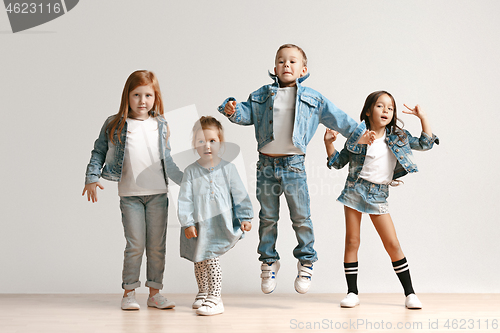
[371,170]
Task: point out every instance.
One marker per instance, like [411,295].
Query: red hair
[136,79]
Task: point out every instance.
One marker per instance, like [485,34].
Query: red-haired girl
[133,150]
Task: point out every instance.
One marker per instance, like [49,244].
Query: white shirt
[142,172]
[379,163]
[283,119]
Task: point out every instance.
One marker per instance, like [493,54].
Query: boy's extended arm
[241,112]
[334,118]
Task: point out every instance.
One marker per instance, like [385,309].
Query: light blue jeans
[277,176]
[145,225]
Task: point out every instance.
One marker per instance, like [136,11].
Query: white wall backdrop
[59,82]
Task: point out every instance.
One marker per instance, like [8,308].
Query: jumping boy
[285,115]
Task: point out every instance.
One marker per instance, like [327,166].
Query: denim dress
[215,202]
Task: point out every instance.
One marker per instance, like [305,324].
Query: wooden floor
[251,313]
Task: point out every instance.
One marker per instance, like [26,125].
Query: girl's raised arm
[420,113]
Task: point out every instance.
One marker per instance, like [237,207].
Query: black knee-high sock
[351,276]
[403,272]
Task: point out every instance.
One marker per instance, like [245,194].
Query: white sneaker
[304,276]
[199,300]
[160,302]
[412,302]
[268,275]
[129,302]
[350,301]
[212,306]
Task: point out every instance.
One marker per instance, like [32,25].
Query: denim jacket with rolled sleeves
[106,158]
[311,108]
[355,154]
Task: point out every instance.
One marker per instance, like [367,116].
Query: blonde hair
[136,79]
[207,122]
[286,46]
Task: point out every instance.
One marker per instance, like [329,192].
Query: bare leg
[352,234]
[153,291]
[385,228]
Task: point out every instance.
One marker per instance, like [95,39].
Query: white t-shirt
[142,172]
[283,119]
[379,163]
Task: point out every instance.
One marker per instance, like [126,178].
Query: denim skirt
[365,197]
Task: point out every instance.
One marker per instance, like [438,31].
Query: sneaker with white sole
[412,302]
[212,306]
[350,301]
[160,302]
[199,300]
[129,302]
[268,275]
[303,279]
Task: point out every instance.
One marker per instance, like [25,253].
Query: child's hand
[230,108]
[91,190]
[330,136]
[417,111]
[246,226]
[190,232]
[367,138]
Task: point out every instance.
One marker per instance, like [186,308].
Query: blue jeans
[145,225]
[277,176]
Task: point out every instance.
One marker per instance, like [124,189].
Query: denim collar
[298,81]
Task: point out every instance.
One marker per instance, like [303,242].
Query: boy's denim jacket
[111,156]
[311,108]
[401,148]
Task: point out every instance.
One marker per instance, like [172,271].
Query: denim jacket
[355,154]
[111,156]
[311,108]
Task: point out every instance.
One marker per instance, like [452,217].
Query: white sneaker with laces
[199,300]
[412,302]
[350,301]
[303,279]
[268,275]
[212,306]
[129,302]
[160,302]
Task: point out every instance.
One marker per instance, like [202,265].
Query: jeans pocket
[297,167]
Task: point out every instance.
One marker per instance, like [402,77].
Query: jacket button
[400,157]
[270,108]
[270,121]
[272,94]
[397,150]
